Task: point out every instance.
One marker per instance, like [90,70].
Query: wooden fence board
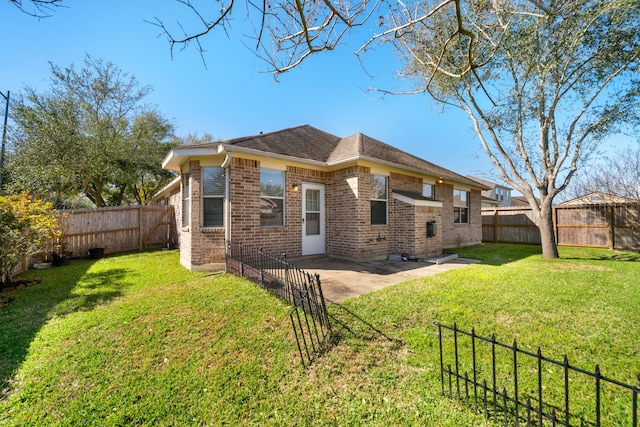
[117,230]
[602,225]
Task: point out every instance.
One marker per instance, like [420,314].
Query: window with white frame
[271,198]
[378,200]
[213,185]
[429,191]
[460,206]
[186,200]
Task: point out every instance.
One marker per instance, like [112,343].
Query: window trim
[457,210]
[433,190]
[205,196]
[186,200]
[385,200]
[283,197]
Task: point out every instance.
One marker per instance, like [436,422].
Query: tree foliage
[89,134]
[27,227]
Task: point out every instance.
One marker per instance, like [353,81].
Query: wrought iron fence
[515,386]
[309,316]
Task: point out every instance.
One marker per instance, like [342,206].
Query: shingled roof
[308,143]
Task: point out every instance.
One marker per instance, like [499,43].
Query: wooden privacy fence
[613,226]
[117,229]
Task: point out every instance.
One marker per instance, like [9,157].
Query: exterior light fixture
[440,180]
[295,188]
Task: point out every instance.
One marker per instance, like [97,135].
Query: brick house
[302,191]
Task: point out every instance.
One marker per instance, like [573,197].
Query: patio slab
[342,279]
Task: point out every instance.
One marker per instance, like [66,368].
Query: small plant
[27,226]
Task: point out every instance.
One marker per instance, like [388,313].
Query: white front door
[312,219]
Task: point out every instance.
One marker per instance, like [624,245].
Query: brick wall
[409,222]
[199,245]
[374,242]
[404,182]
[459,234]
[341,213]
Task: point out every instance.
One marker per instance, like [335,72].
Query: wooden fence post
[612,226]
[140,228]
[554,219]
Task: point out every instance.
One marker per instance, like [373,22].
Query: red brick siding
[459,234]
[341,207]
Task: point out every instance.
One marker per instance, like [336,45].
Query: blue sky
[233,96]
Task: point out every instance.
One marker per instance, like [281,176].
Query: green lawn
[138,340]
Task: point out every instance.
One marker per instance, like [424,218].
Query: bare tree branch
[37,8]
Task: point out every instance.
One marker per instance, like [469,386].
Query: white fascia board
[177,156]
[260,153]
[398,166]
[414,202]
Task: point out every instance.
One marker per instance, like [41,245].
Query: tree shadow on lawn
[62,291]
[609,256]
[497,254]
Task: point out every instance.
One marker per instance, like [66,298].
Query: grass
[138,340]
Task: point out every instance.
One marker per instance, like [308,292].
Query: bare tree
[617,174]
[37,8]
[543,85]
[286,32]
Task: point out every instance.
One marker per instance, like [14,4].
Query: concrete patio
[342,279]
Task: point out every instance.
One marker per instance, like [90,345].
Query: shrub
[27,227]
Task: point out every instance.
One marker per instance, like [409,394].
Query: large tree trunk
[547,233]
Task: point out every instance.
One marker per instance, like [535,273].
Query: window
[212,197]
[460,207]
[378,200]
[271,198]
[186,200]
[428,191]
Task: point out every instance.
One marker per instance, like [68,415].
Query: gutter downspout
[227,202]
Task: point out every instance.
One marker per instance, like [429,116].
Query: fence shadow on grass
[62,291]
[498,254]
[347,322]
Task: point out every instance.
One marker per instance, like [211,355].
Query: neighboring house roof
[314,146]
[489,184]
[488,196]
[489,200]
[519,201]
[597,198]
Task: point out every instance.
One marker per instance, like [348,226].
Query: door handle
[303,220]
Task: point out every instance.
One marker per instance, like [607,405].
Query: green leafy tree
[89,134]
[27,227]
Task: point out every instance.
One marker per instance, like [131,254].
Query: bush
[27,227]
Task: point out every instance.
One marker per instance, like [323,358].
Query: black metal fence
[513,386]
[309,315]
